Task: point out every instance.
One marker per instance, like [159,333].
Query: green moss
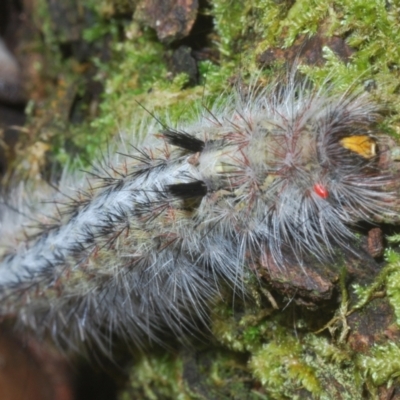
[279,366]
[290,361]
[154,377]
[242,27]
[305,367]
[388,280]
[287,360]
[244,334]
[230,24]
[382,366]
[395,238]
[210,373]
[135,68]
[370,28]
[393,282]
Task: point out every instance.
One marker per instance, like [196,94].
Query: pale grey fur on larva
[147,246]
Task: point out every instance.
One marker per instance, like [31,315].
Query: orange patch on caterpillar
[363,145]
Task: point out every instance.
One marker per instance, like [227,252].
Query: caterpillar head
[323,172]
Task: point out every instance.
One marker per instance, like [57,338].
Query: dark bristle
[188,190]
[183,140]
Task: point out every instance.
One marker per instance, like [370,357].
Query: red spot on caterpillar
[321,190]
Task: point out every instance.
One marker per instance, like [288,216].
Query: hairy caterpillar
[146,241]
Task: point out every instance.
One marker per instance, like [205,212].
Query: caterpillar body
[259,177]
